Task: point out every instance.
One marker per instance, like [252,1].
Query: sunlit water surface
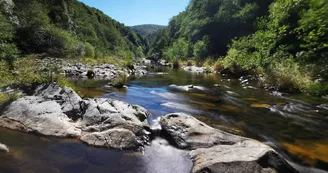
[296,126]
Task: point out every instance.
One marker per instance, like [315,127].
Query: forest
[284,42]
[64,28]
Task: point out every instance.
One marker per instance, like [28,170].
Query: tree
[8,49]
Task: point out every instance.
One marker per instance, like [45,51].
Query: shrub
[317,89]
[120,81]
[89,50]
[287,74]
[176,64]
[218,65]
[91,74]
[189,63]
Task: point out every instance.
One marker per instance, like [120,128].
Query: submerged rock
[60,112]
[215,151]
[4,148]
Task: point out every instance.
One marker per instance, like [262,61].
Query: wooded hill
[283,41]
[64,28]
[148,31]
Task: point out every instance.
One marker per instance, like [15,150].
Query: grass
[6,99]
[28,72]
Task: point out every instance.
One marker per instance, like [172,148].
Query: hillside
[67,28]
[283,41]
[149,31]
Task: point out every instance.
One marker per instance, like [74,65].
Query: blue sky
[136,12]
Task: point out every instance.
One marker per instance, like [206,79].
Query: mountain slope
[68,28]
[210,25]
[149,31]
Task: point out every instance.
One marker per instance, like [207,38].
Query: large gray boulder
[248,156]
[37,115]
[187,132]
[215,151]
[56,111]
[115,124]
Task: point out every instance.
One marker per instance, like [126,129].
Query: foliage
[120,81]
[147,31]
[8,49]
[28,71]
[289,46]
[218,21]
[72,29]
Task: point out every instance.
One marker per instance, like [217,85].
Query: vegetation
[148,31]
[66,29]
[285,41]
[120,81]
[61,28]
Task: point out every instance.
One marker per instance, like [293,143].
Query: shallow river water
[296,126]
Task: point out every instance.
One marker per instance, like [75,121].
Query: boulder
[56,111]
[115,124]
[215,151]
[195,69]
[186,132]
[248,156]
[4,148]
[37,115]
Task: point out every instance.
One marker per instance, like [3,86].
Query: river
[294,125]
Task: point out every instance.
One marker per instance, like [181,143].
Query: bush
[89,51]
[189,63]
[176,64]
[287,74]
[120,81]
[218,65]
[91,74]
[317,89]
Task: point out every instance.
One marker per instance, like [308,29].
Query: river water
[295,125]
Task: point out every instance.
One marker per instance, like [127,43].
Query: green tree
[8,49]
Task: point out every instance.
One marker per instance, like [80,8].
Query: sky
[137,12]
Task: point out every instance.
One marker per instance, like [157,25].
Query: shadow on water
[296,126]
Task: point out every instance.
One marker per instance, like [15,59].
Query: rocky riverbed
[55,111]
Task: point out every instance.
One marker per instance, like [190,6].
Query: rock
[56,111]
[37,115]
[113,119]
[101,72]
[187,132]
[215,151]
[112,138]
[4,148]
[248,156]
[188,88]
[195,69]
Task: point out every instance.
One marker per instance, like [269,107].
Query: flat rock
[247,156]
[187,132]
[215,151]
[4,148]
